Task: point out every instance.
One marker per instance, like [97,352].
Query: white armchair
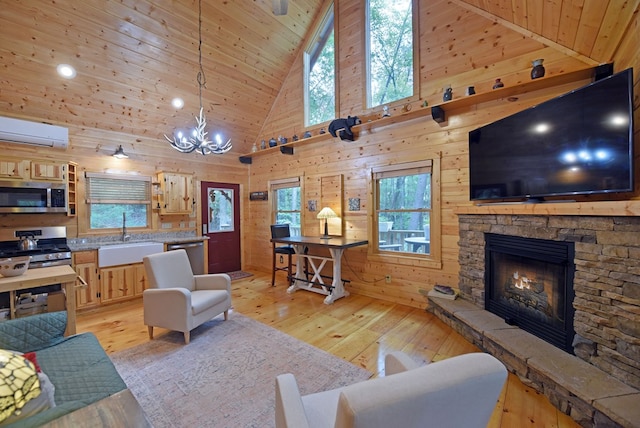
[179,300]
[457,392]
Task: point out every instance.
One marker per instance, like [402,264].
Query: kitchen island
[63,275]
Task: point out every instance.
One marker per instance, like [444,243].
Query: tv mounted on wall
[580,143]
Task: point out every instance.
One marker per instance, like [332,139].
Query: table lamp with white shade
[325,214]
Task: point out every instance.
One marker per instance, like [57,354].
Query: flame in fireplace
[521,282]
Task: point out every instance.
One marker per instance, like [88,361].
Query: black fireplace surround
[529,283]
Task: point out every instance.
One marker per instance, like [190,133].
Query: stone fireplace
[529,283]
[599,383]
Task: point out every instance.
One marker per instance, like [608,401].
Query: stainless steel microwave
[33,197]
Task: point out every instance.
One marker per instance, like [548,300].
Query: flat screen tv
[580,143]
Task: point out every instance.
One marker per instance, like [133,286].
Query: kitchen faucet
[125,237]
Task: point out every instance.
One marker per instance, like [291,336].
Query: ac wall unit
[37,134]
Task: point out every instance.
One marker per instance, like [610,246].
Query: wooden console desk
[336,246]
[64,275]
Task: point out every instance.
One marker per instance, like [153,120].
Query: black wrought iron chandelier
[197,139]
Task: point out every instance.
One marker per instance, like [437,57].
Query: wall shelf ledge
[439,109]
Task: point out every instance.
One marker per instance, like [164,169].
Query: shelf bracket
[437,113]
[286,150]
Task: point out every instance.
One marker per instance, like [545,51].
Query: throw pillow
[19,383]
[31,356]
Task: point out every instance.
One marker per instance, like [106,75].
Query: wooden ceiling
[588,28]
[134,56]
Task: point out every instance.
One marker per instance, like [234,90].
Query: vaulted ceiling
[134,56]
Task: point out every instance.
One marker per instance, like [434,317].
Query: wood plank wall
[458,48]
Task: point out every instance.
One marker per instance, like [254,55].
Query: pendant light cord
[202,80]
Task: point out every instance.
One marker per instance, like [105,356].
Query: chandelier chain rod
[201,78]
[199,140]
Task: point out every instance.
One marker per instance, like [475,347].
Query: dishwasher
[195,252]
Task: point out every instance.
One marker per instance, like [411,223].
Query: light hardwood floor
[358,329]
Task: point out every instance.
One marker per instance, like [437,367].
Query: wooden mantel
[604,208]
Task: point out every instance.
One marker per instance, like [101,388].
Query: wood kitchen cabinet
[26,169]
[141,279]
[176,195]
[86,267]
[117,283]
[14,169]
[108,284]
[48,170]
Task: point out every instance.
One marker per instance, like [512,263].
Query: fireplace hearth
[606,285]
[529,283]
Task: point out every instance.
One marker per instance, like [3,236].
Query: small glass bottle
[498,84]
[254,148]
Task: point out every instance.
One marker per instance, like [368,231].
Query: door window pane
[220,210]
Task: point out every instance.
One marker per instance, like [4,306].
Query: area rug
[238,274]
[226,376]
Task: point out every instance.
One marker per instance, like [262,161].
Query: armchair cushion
[204,299]
[169,269]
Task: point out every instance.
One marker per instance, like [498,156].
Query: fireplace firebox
[529,283]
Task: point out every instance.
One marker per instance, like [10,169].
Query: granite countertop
[88,244]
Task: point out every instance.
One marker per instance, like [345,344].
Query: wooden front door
[221,223]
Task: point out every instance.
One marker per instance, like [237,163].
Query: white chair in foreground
[179,300]
[457,392]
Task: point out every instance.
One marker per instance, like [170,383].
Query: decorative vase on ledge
[538,69]
[448,93]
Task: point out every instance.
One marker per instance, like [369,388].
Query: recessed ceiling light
[66,71]
[177,103]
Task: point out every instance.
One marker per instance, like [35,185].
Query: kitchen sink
[126,253]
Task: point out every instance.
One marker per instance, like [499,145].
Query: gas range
[51,248]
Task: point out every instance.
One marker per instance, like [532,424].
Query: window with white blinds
[117,201]
[109,189]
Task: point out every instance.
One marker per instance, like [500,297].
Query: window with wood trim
[320,73]
[391,41]
[116,200]
[286,203]
[404,208]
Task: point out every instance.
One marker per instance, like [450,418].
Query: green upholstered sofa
[77,366]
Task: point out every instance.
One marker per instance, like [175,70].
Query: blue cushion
[32,333]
